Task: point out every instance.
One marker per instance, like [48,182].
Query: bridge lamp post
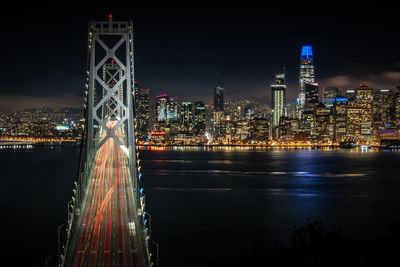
[144,215]
[49,259]
[68,205]
[58,231]
[156,251]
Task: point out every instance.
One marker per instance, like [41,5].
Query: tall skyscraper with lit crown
[306,75]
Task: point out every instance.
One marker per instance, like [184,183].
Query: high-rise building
[238,113]
[185,118]
[242,130]
[351,95]
[311,96]
[143,112]
[322,122]
[339,118]
[218,109]
[161,109]
[360,113]
[397,108]
[136,94]
[218,98]
[172,117]
[285,132]
[248,112]
[199,127]
[291,109]
[384,109]
[353,117]
[278,99]
[365,98]
[259,130]
[228,130]
[161,106]
[307,123]
[329,94]
[306,74]
[172,111]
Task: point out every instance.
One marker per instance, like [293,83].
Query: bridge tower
[107,221]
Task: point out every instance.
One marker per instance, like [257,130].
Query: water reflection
[276,189]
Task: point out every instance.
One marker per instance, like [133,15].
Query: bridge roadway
[105,233]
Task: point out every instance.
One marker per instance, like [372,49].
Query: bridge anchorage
[107,222]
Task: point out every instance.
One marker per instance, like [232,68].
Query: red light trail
[104,235]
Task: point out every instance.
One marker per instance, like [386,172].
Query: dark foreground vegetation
[315,244]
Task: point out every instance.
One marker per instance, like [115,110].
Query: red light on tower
[110,16]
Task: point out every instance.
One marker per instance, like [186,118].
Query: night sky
[180,47]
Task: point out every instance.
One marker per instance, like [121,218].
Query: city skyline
[348,50]
[129,130]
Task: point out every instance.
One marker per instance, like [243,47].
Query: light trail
[104,236]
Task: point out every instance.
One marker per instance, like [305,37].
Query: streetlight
[157,251]
[68,204]
[59,228]
[149,220]
[51,256]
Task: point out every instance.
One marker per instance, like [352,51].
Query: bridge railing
[74,210]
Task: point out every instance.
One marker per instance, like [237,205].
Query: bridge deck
[105,233]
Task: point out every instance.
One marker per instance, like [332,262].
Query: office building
[143,112]
[218,109]
[321,124]
[365,98]
[185,118]
[278,99]
[340,118]
[161,112]
[328,95]
[199,126]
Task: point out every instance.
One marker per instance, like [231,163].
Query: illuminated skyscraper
[360,113]
[218,98]
[308,114]
[248,112]
[161,106]
[306,75]
[339,118]
[397,107]
[136,95]
[199,118]
[278,99]
[218,109]
[172,111]
[185,118]
[172,117]
[311,96]
[365,98]
[143,112]
[384,110]
[329,94]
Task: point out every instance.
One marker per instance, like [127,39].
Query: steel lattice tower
[109,97]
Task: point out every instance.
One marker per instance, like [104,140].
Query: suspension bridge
[108,224]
